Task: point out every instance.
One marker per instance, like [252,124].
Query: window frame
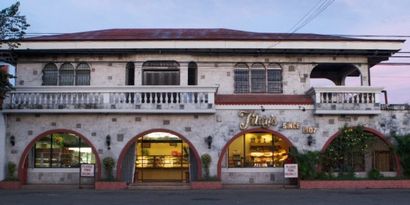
[265,85]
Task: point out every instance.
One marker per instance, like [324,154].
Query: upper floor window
[82,76]
[258,78]
[50,74]
[66,75]
[160,73]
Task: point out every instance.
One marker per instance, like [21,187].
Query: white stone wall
[223,126]
[212,70]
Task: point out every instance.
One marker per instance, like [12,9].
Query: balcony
[341,100]
[124,99]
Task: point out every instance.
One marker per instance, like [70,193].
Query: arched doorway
[377,155]
[158,155]
[54,157]
[254,156]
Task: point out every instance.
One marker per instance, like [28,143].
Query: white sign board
[291,171]
[87,170]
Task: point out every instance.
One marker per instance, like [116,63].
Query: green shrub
[108,163]
[11,169]
[206,161]
[307,163]
[374,174]
[402,149]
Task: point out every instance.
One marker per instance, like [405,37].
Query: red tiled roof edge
[243,99]
[185,34]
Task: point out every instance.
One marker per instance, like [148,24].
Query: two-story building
[155,100]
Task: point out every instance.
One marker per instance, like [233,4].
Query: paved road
[222,197]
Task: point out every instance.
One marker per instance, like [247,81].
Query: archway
[379,155]
[258,155]
[158,155]
[57,154]
[331,74]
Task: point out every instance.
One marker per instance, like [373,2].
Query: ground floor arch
[54,157]
[158,155]
[254,156]
[379,155]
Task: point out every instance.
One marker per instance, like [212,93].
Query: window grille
[82,74]
[67,74]
[50,74]
[241,81]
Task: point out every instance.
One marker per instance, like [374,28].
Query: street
[215,197]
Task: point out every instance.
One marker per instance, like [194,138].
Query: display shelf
[161,161]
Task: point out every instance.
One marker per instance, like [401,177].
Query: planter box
[10,185]
[103,185]
[354,184]
[206,185]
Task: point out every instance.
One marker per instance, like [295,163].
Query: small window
[82,74]
[274,78]
[241,78]
[130,73]
[50,74]
[192,74]
[67,74]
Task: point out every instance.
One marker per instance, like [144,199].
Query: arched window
[258,79]
[67,74]
[61,150]
[274,78]
[241,78]
[82,76]
[50,74]
[130,73]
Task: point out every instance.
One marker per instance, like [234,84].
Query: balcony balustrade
[346,100]
[125,99]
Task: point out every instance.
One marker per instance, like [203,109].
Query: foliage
[12,25]
[402,149]
[346,151]
[5,85]
[11,169]
[108,163]
[374,174]
[206,161]
[307,163]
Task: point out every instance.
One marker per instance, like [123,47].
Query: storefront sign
[253,119]
[309,130]
[291,171]
[87,170]
[291,125]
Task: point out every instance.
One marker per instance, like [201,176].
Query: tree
[12,26]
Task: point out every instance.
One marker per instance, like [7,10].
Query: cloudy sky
[381,17]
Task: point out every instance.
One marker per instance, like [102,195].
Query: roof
[263,99]
[184,34]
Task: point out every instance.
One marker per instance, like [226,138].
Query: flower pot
[10,185]
[107,185]
[206,185]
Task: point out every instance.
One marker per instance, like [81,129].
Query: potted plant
[11,181]
[207,181]
[109,182]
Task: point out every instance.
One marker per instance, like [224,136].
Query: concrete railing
[346,100]
[122,99]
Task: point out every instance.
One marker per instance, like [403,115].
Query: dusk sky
[375,17]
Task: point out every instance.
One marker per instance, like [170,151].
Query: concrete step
[160,186]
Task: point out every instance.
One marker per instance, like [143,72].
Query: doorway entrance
[161,156]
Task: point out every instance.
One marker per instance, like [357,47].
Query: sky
[357,17]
